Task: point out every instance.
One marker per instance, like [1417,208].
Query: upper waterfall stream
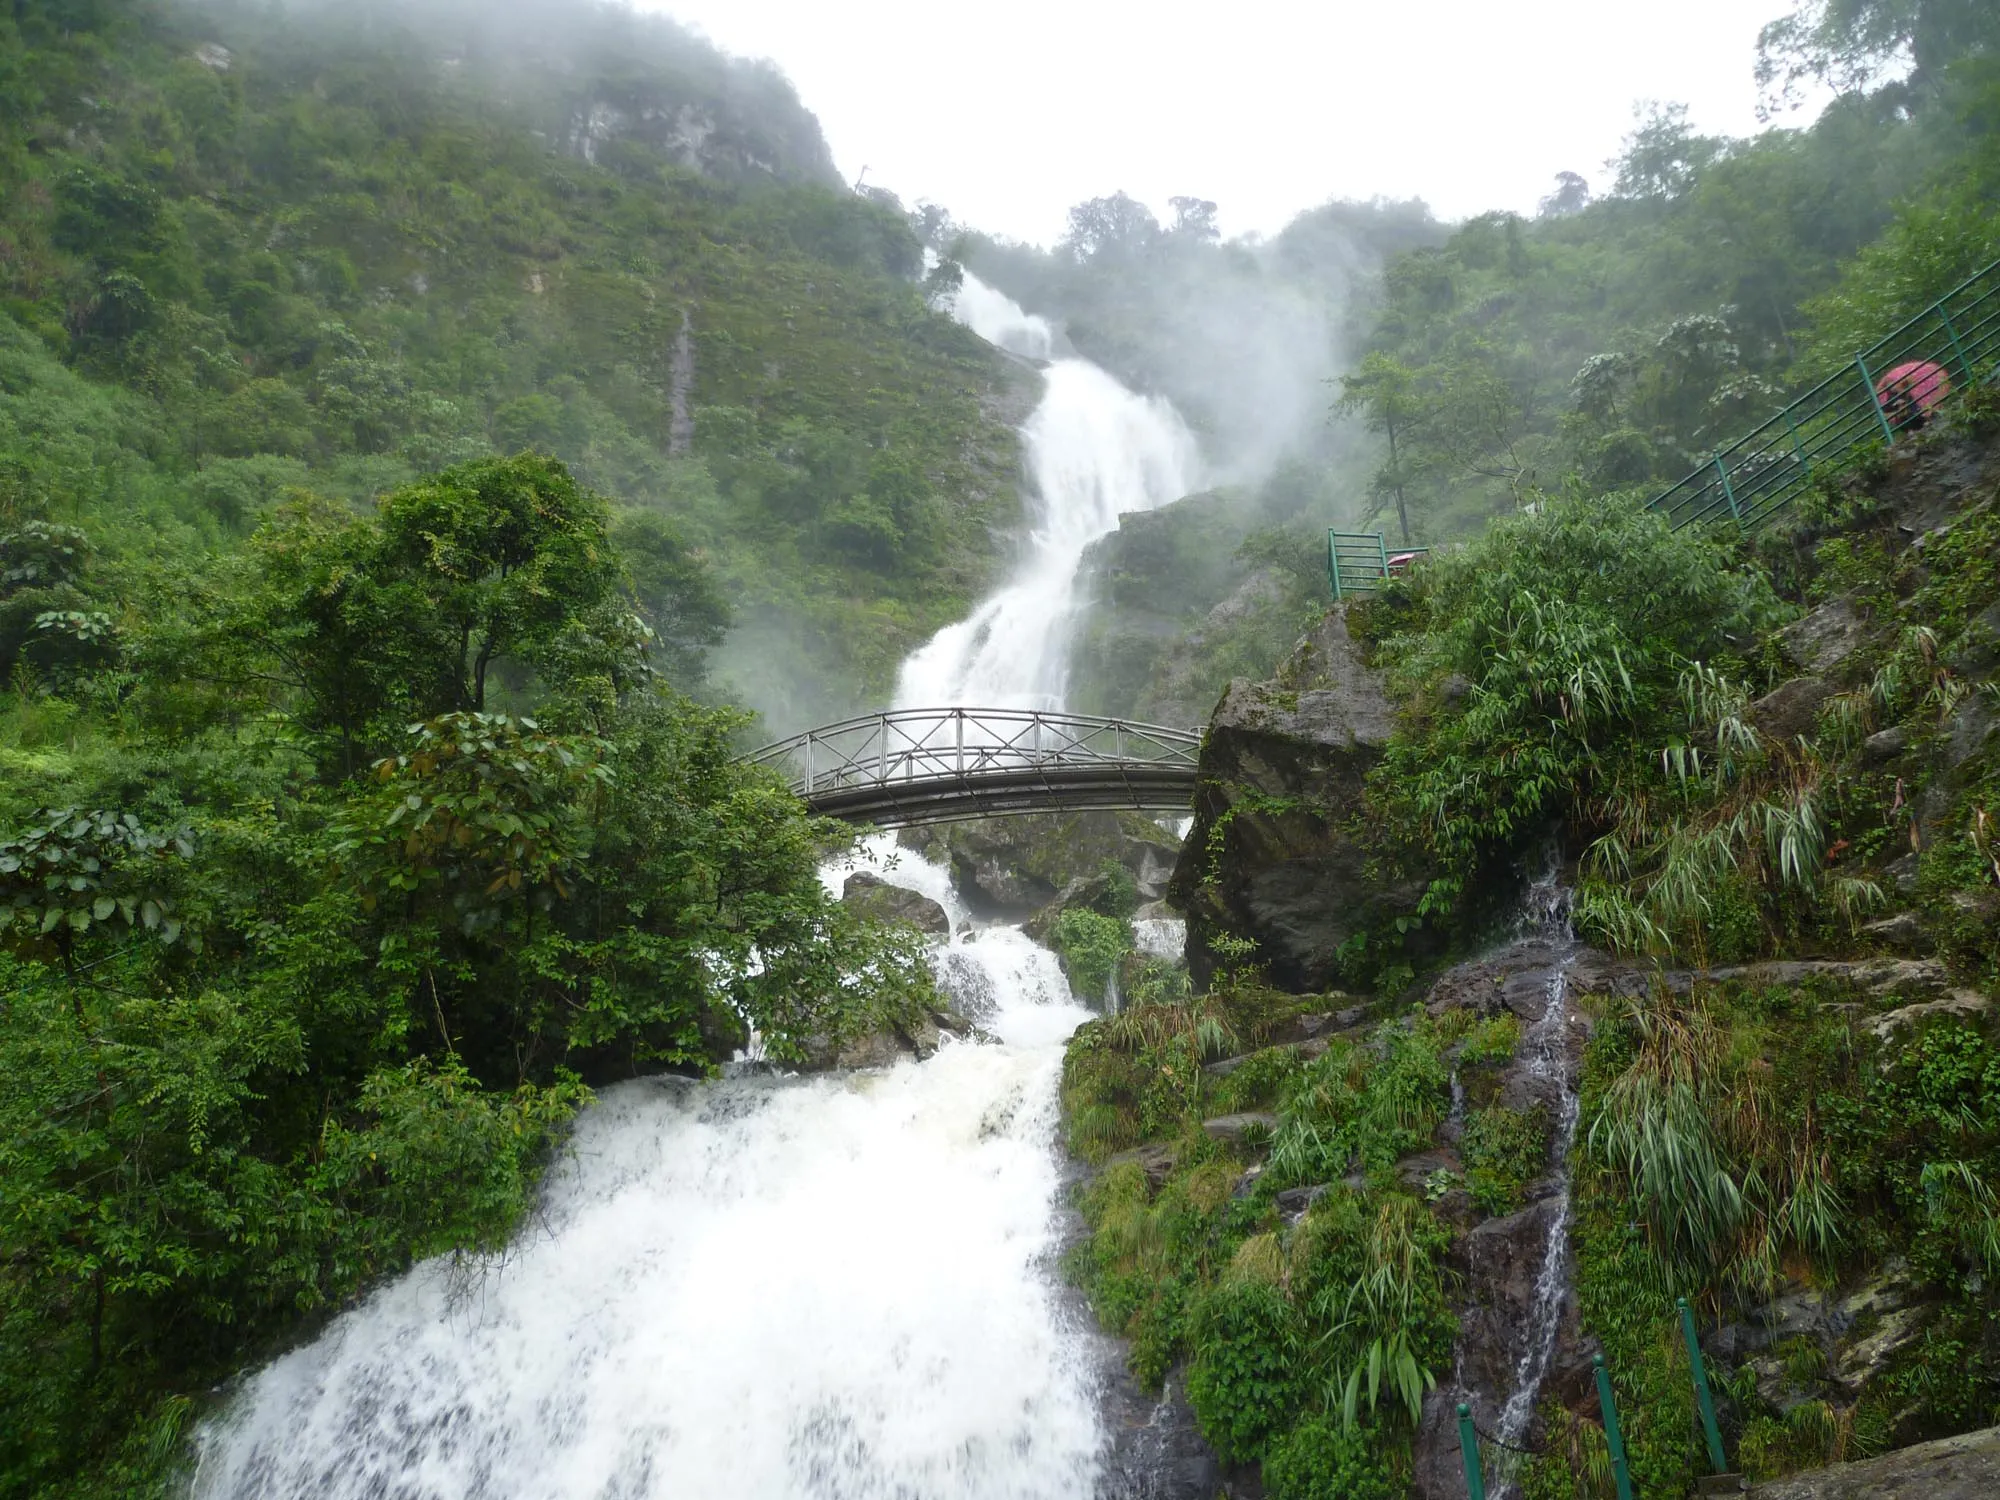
[1094,451]
[830,1289]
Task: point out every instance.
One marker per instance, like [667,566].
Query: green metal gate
[1359,562]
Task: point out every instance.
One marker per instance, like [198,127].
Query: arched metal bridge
[940,765]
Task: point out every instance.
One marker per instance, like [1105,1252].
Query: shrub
[1504,1151]
[1322,1460]
[1245,1381]
[1090,944]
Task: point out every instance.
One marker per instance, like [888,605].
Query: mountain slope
[339,247]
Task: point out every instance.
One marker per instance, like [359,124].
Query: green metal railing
[1360,562]
[1764,473]
[1718,1482]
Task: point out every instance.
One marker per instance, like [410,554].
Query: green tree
[1851,44]
[1384,390]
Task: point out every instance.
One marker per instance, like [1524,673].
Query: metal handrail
[909,746]
[1763,473]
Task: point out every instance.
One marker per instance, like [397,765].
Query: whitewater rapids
[827,1288]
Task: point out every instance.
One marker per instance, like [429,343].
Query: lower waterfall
[835,1288]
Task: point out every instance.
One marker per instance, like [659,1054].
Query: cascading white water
[1547,1054]
[761,1288]
[1160,937]
[1095,451]
[836,1289]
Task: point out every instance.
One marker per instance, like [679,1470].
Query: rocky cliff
[1274,856]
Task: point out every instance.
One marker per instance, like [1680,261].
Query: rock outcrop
[1272,856]
[918,1038]
[1966,1467]
[1010,867]
[875,897]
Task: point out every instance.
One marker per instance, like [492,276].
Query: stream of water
[1094,451]
[778,1289]
[1546,1053]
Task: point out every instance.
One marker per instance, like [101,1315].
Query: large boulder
[1818,642]
[1272,857]
[875,897]
[1009,867]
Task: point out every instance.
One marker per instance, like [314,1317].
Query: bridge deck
[941,765]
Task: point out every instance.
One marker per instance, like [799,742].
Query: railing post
[958,725]
[1614,1437]
[1702,1398]
[809,763]
[1333,565]
[1798,444]
[1875,399]
[1468,1447]
[1728,490]
[1964,364]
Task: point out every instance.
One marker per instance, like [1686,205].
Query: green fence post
[1702,1398]
[1964,364]
[1728,491]
[1333,565]
[1468,1444]
[1621,1471]
[1875,400]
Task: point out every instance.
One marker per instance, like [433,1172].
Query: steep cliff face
[1273,857]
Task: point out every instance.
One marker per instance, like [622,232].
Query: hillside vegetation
[1610,341]
[1769,768]
[398,406]
[246,250]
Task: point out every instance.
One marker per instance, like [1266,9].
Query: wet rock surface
[1822,640]
[889,1046]
[1014,867]
[1790,709]
[1237,1130]
[891,903]
[1510,1285]
[1270,857]
[1157,1451]
[1959,1468]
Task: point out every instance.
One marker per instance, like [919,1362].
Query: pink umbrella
[1910,392]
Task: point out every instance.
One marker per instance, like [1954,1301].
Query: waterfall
[1094,451]
[780,1289]
[761,1288]
[1546,1052]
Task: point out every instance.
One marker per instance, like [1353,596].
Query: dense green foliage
[1744,1140]
[1561,638]
[1577,680]
[325,891]
[1622,340]
[1309,1342]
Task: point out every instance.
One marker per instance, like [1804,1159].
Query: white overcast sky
[1008,112]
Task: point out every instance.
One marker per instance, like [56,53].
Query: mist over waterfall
[1094,451]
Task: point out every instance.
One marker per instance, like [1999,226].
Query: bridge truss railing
[911,745]
[940,765]
[1765,472]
